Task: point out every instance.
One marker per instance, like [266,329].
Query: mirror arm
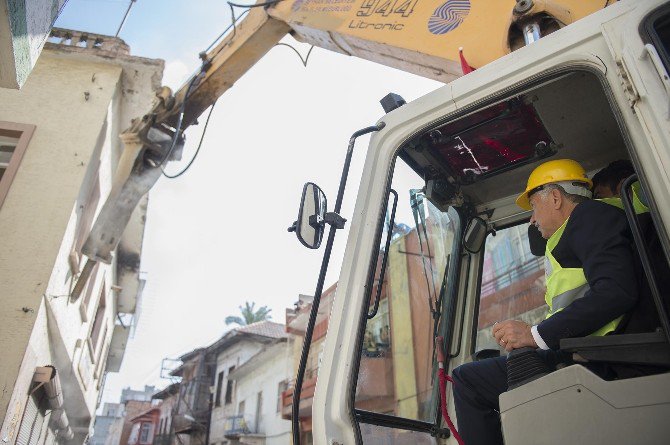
[293,226]
[334,219]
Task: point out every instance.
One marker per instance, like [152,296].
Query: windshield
[396,367]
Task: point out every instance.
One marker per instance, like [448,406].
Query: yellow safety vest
[567,284]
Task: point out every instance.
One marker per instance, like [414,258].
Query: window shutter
[31,424]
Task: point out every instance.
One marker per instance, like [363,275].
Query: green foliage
[249,315]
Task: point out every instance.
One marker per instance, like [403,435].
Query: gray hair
[575,198]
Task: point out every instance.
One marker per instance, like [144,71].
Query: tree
[249,316]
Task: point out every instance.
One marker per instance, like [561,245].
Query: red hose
[443,378]
[443,396]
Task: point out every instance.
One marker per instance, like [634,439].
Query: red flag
[464,64]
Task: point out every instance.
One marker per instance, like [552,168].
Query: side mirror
[475,234]
[310,224]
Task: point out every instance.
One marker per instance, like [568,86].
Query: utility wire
[125,17]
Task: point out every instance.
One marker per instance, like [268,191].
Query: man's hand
[512,334]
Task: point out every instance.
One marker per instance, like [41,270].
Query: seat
[636,349]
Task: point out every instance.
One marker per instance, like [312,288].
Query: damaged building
[66,318]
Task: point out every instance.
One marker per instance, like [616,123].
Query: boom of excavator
[419,37]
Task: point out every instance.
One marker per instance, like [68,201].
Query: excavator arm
[417,36]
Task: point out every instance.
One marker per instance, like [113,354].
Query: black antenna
[132,2]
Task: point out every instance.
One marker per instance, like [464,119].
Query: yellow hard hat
[551,172]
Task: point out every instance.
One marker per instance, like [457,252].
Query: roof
[264,328]
[190,355]
[145,413]
[261,331]
[167,391]
[257,359]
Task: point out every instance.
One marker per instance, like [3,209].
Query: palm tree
[249,316]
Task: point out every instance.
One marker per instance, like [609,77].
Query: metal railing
[88,40]
[240,424]
[163,439]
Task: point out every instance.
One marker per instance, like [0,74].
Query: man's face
[602,191]
[544,213]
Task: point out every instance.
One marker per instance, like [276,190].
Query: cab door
[640,45]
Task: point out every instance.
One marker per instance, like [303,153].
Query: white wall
[39,220]
[236,355]
[264,375]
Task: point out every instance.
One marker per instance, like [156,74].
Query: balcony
[306,395]
[88,41]
[163,439]
[375,378]
[239,425]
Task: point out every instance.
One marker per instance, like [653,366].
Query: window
[98,321]
[230,387]
[219,387]
[377,339]
[145,433]
[512,284]
[281,387]
[88,293]
[259,411]
[240,408]
[14,139]
[32,422]
[7,148]
[306,438]
[85,216]
[657,27]
[134,434]
[395,374]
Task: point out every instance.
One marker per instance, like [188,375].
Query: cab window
[406,298]
[513,284]
[657,30]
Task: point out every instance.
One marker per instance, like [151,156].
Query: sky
[216,237]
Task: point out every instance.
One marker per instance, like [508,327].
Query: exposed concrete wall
[78,103]
[24,28]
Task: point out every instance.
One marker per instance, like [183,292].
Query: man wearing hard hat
[591,283]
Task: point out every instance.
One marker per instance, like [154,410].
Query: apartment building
[62,330]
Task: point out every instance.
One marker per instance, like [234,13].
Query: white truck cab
[437,245]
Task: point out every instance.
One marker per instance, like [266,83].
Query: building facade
[164,434]
[111,412]
[230,352]
[259,384]
[114,421]
[144,426]
[59,149]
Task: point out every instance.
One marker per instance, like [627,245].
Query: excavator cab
[438,247]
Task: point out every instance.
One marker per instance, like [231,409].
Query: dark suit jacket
[597,239]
